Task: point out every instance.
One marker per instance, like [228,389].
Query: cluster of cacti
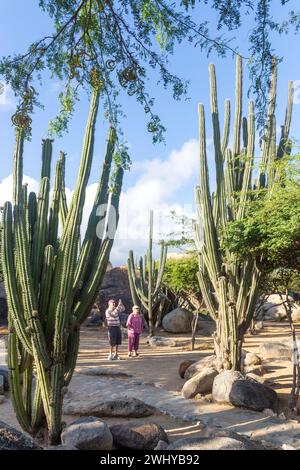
[230,286]
[145,285]
[52,277]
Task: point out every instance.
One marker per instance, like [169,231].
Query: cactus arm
[54,208]
[46,282]
[68,250]
[46,158]
[10,280]
[90,244]
[236,147]
[40,232]
[226,128]
[63,207]
[162,264]
[285,130]
[267,138]
[134,296]
[210,233]
[31,216]
[15,383]
[248,164]
[219,202]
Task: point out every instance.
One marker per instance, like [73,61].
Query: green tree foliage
[117,42]
[181,274]
[271,228]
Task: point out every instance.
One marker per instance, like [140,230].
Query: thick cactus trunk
[52,282]
[229,285]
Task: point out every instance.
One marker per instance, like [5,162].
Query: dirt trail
[159,367]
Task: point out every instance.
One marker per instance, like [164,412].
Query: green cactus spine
[230,286]
[48,296]
[145,287]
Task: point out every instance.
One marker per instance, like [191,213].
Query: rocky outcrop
[183,366]
[178,320]
[119,407]
[87,433]
[138,436]
[274,310]
[11,439]
[115,285]
[200,383]
[198,366]
[234,388]
[161,342]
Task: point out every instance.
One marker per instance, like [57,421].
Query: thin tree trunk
[194,329]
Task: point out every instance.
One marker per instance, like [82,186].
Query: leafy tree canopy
[112,44]
[271,228]
[180,275]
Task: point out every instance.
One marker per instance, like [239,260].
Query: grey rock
[119,407]
[183,367]
[223,384]
[161,445]
[296,315]
[275,349]
[160,341]
[178,320]
[234,388]
[197,367]
[11,439]
[200,383]
[88,433]
[138,436]
[251,359]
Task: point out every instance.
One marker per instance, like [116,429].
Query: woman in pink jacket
[135,328]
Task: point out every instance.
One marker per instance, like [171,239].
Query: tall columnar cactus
[145,287]
[230,286]
[51,277]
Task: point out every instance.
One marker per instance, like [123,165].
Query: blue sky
[162,175]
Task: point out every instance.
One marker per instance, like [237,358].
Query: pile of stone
[246,390]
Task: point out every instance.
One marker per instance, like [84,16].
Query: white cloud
[156,188]
[7,99]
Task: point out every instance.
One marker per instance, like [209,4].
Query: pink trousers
[133,341]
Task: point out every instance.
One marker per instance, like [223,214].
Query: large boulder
[273,309]
[200,383]
[138,436]
[161,342]
[275,350]
[11,439]
[251,359]
[223,384]
[88,433]
[115,285]
[296,315]
[183,366]
[234,388]
[178,320]
[119,407]
[197,367]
